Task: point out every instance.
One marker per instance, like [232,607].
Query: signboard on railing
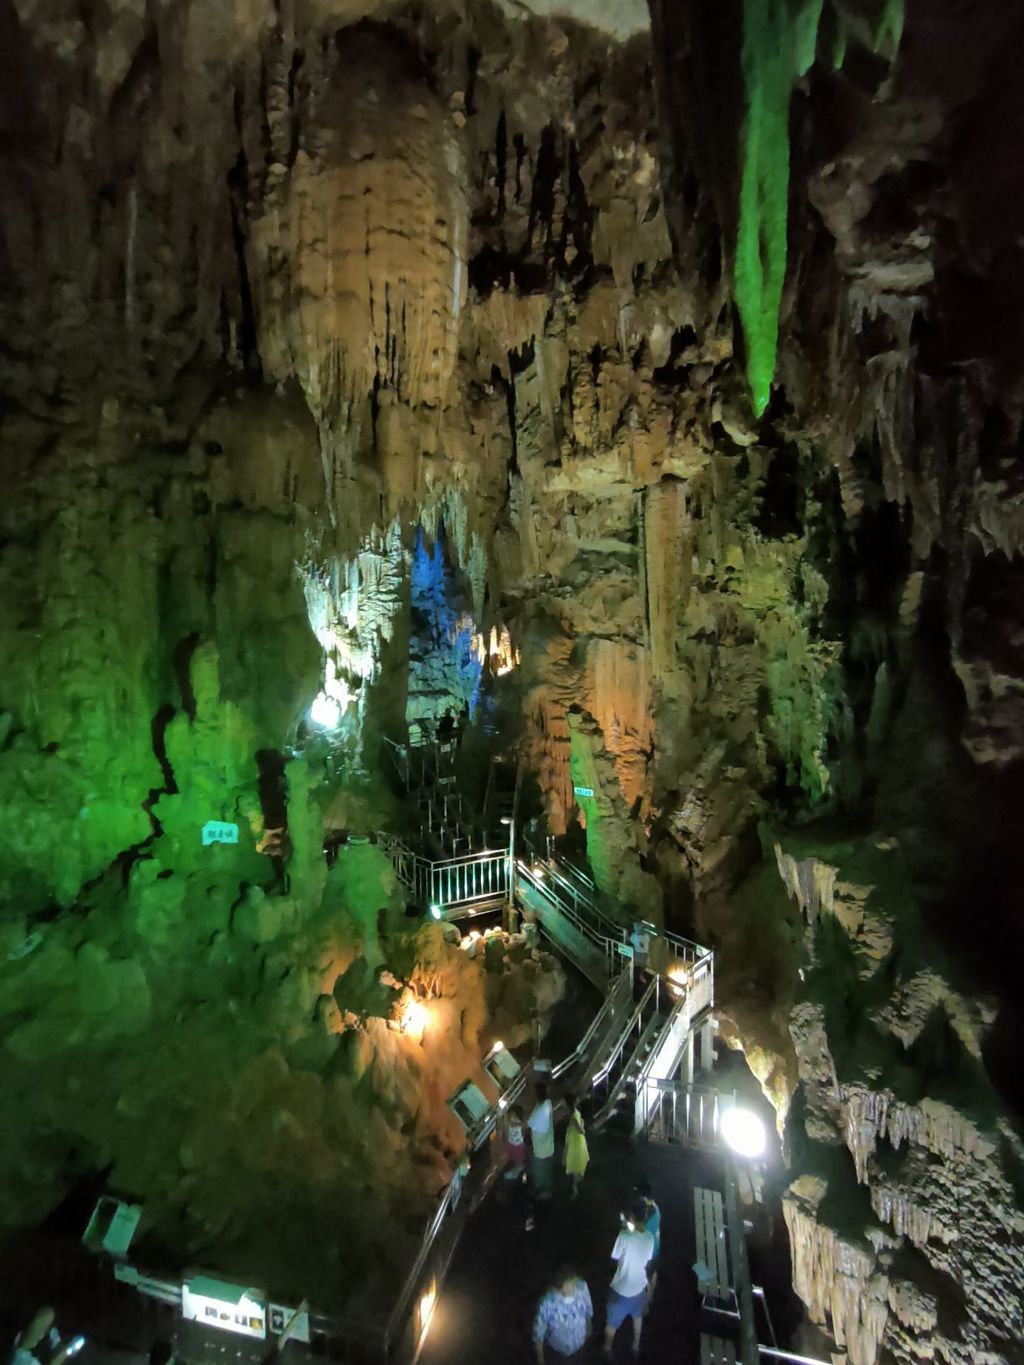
[296,1320]
[219,1303]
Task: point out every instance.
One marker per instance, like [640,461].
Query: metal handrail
[573,870]
[580,922]
[551,869]
[485,1125]
[466,858]
[620,1043]
[482,1130]
[677,1008]
[687,949]
[775,1354]
[424,876]
[684,947]
[645,1035]
[412,1279]
[619,987]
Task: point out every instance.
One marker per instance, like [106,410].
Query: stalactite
[779,40]
[666,568]
[837,1280]
[778,47]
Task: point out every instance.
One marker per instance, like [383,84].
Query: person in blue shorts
[627,1298]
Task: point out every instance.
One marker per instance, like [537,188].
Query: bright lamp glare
[680,978]
[325,711]
[498,1046]
[428,1301]
[414,1018]
[744,1132]
[436,911]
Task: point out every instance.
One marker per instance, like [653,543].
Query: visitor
[40,1341]
[561,1326]
[541,1124]
[652,1223]
[457,1181]
[162,1352]
[577,1154]
[640,942]
[627,1297]
[515,1145]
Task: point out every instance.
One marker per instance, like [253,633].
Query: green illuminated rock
[778,46]
[779,40]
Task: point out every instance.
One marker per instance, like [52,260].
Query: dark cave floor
[485,1310]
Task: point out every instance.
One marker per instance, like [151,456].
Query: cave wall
[697,340]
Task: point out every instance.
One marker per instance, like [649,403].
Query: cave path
[484,1313]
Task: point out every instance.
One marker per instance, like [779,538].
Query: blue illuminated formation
[445,671]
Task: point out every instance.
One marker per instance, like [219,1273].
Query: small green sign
[583,791]
[220,832]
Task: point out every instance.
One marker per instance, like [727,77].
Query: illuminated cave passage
[445,672]
[590,430]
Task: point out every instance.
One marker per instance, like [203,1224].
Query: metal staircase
[641,1046]
[633,1047]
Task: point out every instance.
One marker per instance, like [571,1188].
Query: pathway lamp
[744,1133]
[415,1017]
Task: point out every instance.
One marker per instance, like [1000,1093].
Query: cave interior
[626,393]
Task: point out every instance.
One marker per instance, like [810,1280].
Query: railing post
[510,904]
[749,1354]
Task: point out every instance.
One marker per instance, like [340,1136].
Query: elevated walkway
[634,1049]
[594,948]
[626,1060]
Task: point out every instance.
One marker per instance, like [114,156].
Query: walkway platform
[485,1310]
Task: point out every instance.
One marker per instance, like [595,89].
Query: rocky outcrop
[893,1099]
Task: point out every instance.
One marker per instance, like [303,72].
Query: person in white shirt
[627,1298]
[41,1331]
[541,1124]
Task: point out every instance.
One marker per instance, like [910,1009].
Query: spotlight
[498,1046]
[427,1302]
[325,711]
[436,912]
[680,978]
[414,1018]
[744,1132]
